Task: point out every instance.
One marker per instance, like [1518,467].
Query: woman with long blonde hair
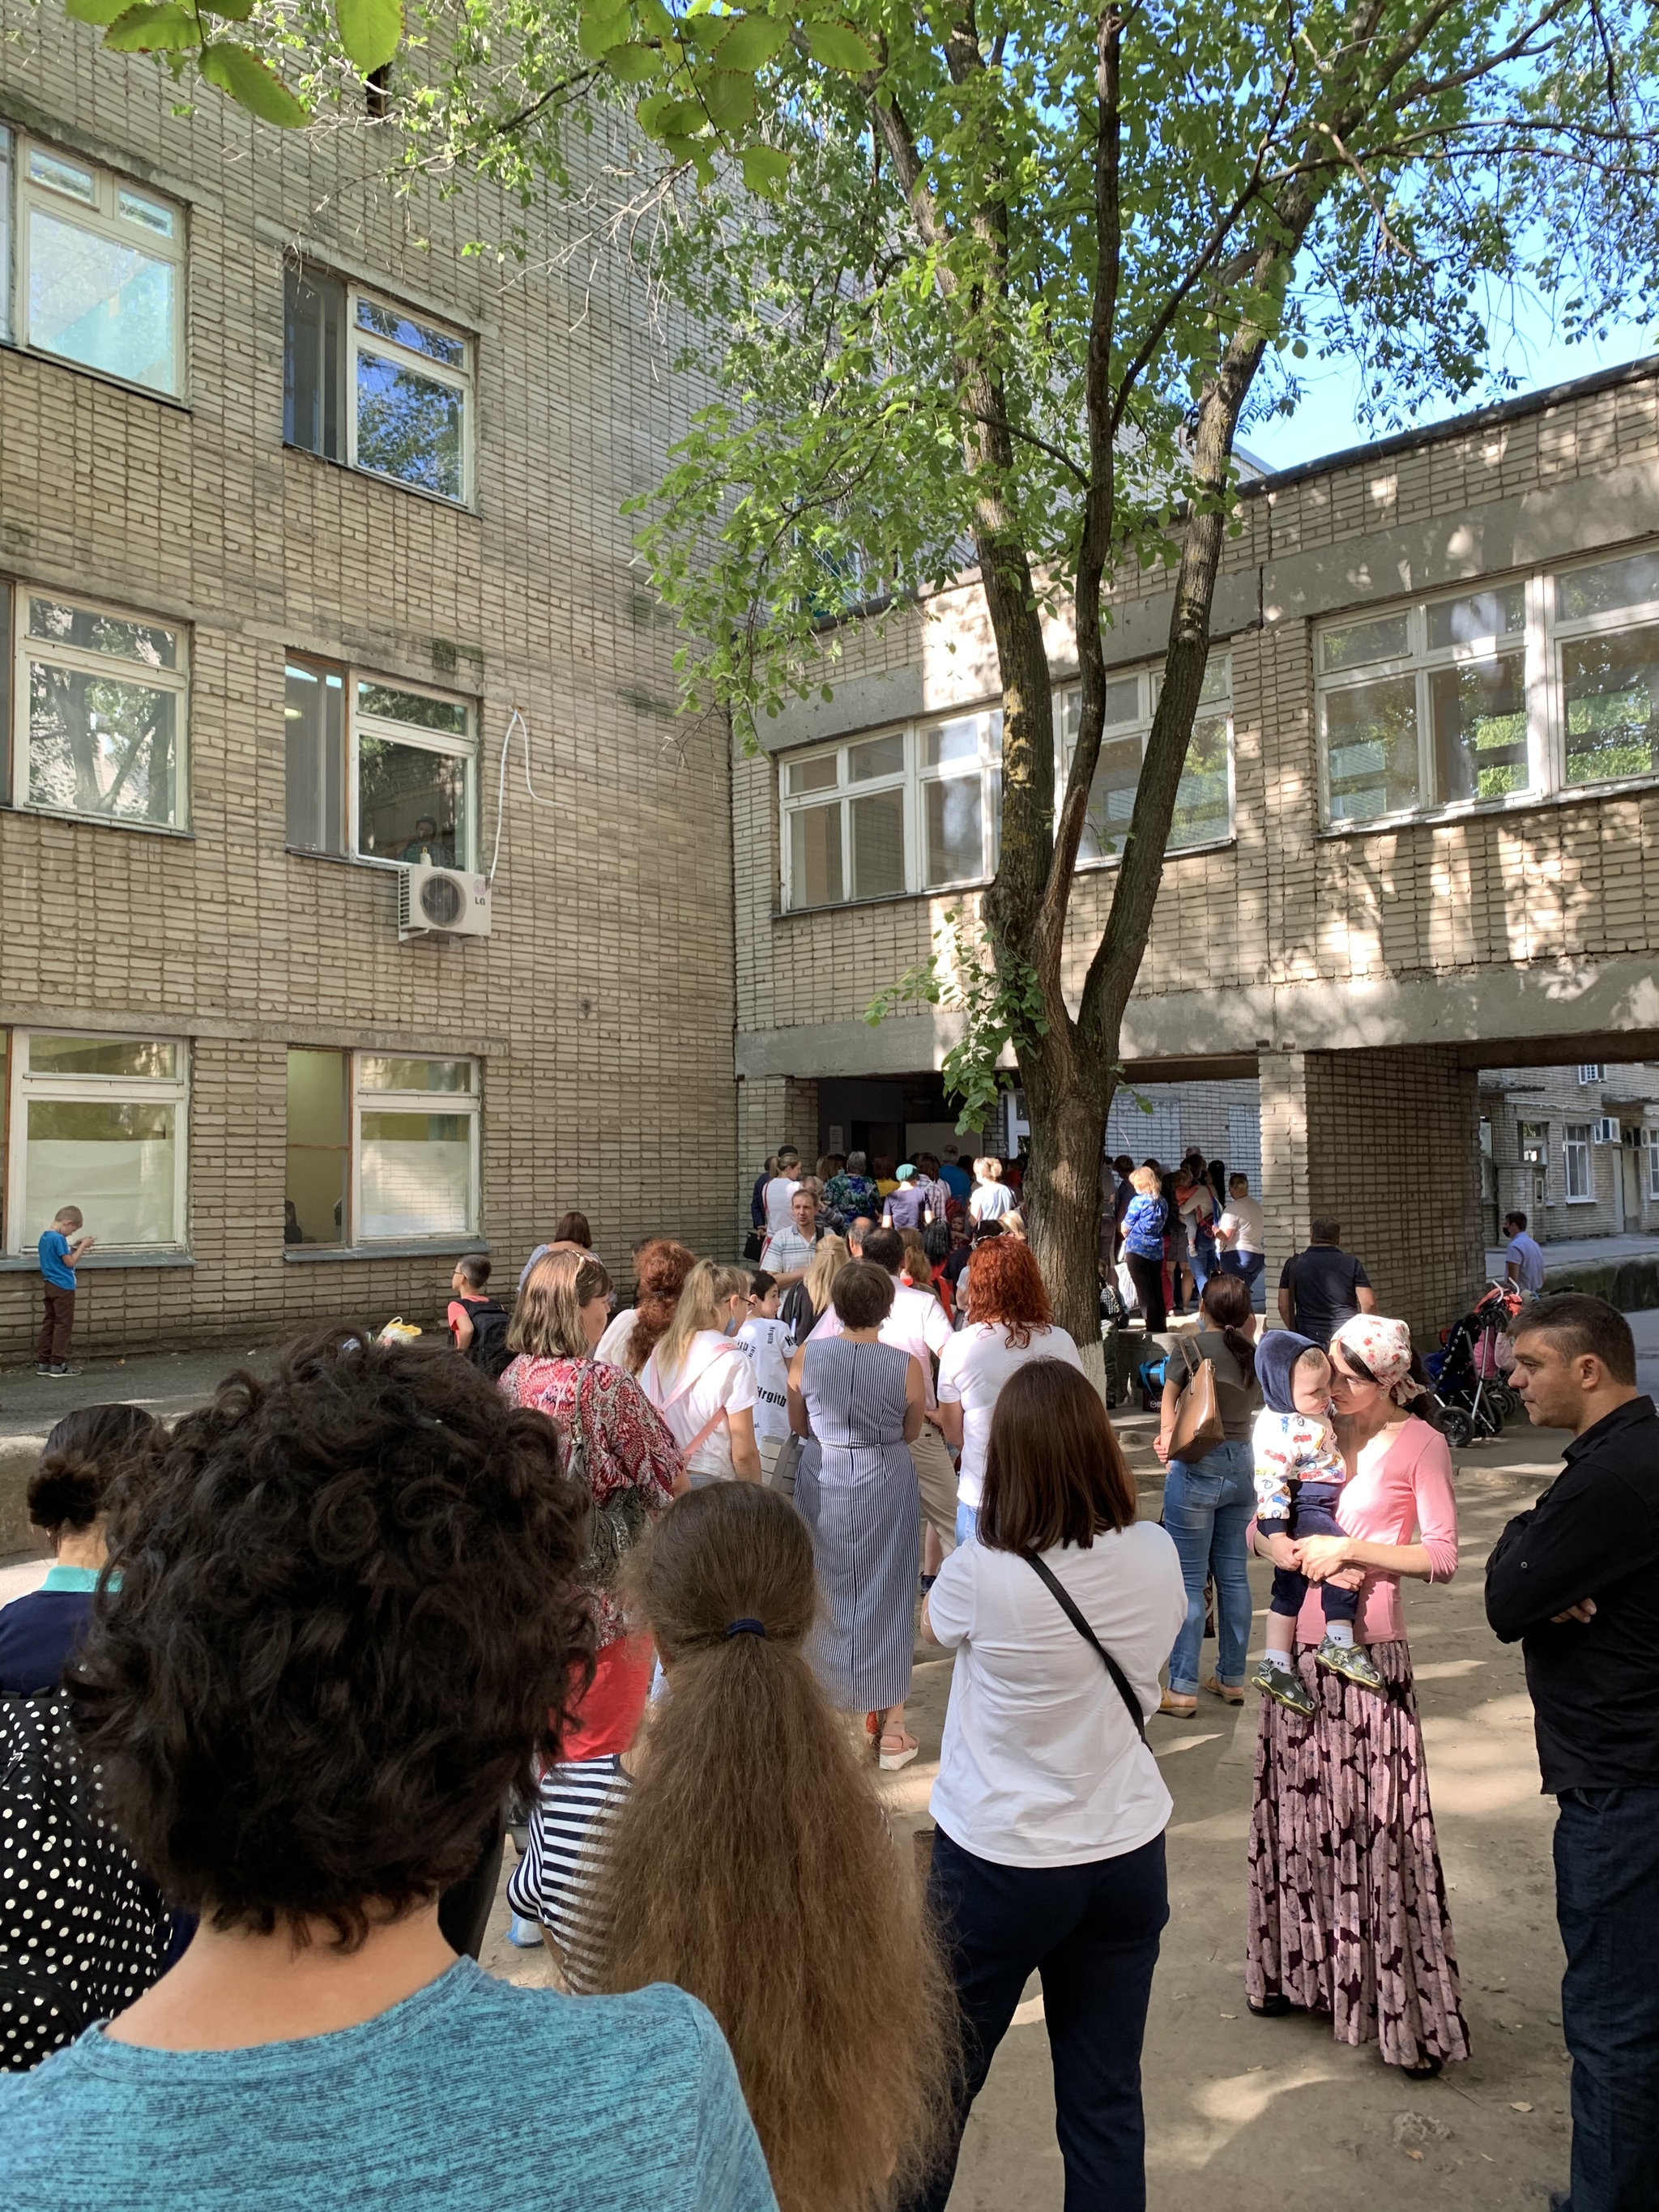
[703,1386]
[811,1297]
[791,1912]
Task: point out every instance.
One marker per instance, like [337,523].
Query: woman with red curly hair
[1010,1321]
[661,1267]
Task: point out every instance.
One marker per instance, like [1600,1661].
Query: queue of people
[675,1558]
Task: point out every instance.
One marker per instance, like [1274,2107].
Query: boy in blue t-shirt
[61,1252]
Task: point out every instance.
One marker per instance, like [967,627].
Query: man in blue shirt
[60,1252]
[1524,1262]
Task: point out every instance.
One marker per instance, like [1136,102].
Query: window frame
[841,795]
[100,218]
[1650,1145]
[176,680]
[1531,1142]
[1575,1142]
[1217,705]
[470,1104]
[139,1090]
[1591,1073]
[417,738]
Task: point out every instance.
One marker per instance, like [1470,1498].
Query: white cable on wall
[515,720]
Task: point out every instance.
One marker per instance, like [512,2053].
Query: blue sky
[1325,422]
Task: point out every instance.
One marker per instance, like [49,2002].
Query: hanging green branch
[1001,1013]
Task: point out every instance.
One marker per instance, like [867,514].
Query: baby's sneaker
[1277,1682]
[1351,1661]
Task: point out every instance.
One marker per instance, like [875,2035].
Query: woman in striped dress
[861,1402]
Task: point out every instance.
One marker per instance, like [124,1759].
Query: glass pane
[313,352]
[1200,809]
[956,843]
[99,745]
[1609,682]
[1218,679]
[1502,613]
[314,707]
[412,707]
[89,631]
[153,216]
[1112,799]
[947,741]
[416,1175]
[419,337]
[1353,643]
[106,305]
[111,1157]
[813,774]
[63,176]
[313,1206]
[815,857]
[411,805]
[1631,582]
[1370,736]
[73,1055]
[876,756]
[408,426]
[1479,711]
[878,845]
[1122,702]
[375,1073]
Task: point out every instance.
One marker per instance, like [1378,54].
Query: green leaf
[838,46]
[765,170]
[165,29]
[659,23]
[371,31]
[632,64]
[96,11]
[234,11]
[664,115]
[707,31]
[751,42]
[234,70]
[600,27]
[729,98]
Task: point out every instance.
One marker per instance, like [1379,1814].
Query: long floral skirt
[1347,1910]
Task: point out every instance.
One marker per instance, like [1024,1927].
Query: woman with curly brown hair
[660,1268]
[347,1609]
[790,1911]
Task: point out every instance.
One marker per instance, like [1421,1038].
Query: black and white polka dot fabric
[81,1931]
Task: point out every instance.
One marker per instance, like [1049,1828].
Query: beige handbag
[1198,1424]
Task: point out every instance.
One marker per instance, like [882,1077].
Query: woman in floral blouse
[629,1459]
[850,1193]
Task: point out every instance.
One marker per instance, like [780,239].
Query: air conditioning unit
[442,903]
[1604,1132]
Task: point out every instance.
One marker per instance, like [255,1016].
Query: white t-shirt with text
[972,1369]
[767,1345]
[917,1322]
[715,1377]
[1041,1764]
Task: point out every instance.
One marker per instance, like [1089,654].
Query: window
[98,267]
[1580,1191]
[1534,1139]
[1609,668]
[1650,1139]
[101,1123]
[376,387]
[377,769]
[100,729]
[1591,1071]
[1204,801]
[380,1150]
[960,767]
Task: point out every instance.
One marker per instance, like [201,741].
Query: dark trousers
[464,1908]
[53,1342]
[1606,1900]
[1092,1933]
[1147,1276]
[1314,1514]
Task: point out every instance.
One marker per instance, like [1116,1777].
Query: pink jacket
[1402,1493]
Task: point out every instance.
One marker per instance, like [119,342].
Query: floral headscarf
[1384,1349]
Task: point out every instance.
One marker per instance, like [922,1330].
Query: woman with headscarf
[1347,1911]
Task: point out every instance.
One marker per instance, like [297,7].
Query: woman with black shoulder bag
[1048,1851]
[1211,1397]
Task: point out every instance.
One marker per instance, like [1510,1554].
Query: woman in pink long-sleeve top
[1348,1911]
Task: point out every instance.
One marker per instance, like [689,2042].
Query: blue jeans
[1250,1265]
[966,1523]
[1202,1261]
[1207,1504]
[1606,1900]
[1092,1932]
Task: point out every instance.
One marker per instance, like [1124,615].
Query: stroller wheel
[1458,1428]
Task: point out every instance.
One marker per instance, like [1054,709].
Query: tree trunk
[1061,1200]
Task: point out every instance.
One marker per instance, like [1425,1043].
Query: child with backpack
[477,1323]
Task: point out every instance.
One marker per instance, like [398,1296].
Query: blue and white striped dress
[858,1494]
[554,1882]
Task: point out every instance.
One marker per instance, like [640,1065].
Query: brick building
[1576,1148]
[1417,837]
[296,505]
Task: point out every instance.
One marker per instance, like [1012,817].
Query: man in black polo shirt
[1322,1287]
[1576,1579]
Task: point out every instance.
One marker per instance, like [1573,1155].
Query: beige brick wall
[602,1007]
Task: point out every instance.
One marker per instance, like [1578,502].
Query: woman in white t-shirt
[1049,1806]
[990,1197]
[703,1387]
[1009,1323]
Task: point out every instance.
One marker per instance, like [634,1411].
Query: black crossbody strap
[1064,1597]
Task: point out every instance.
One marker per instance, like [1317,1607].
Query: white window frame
[140,1090]
[360,722]
[1651,1143]
[360,1100]
[175,679]
[986,765]
[1542,640]
[102,218]
[1215,704]
[840,795]
[1591,1071]
[463,380]
[1533,1143]
[1576,1150]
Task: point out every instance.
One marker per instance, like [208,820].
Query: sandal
[1217,1689]
[1179,1708]
[907,1748]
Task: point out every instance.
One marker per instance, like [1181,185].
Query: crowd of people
[641,1577]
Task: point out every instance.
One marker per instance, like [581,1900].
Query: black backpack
[488,1349]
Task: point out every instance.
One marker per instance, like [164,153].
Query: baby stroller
[1467,1371]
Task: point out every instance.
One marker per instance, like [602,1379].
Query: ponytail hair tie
[745,1628]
